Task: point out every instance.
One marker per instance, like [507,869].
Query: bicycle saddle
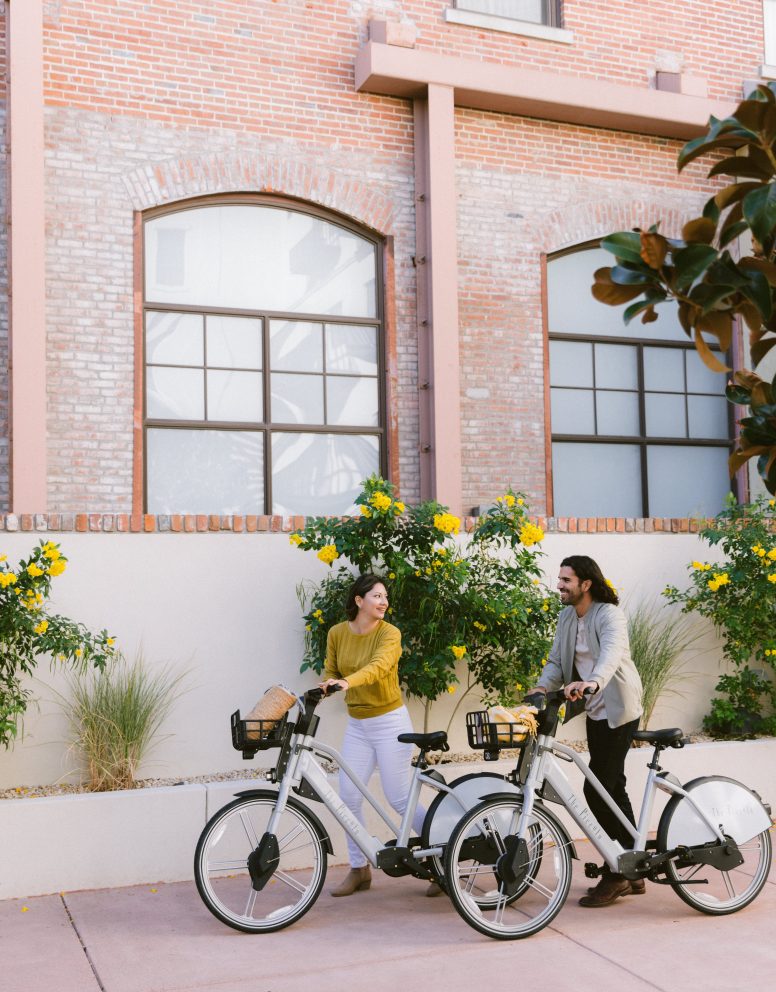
[663,738]
[435,741]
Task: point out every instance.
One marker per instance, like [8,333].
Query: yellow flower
[295,539]
[328,554]
[447,522]
[772,503]
[698,565]
[51,553]
[722,578]
[479,626]
[544,662]
[42,627]
[459,650]
[451,689]
[772,577]
[509,499]
[417,572]
[78,652]
[520,501]
[111,641]
[365,511]
[380,501]
[57,567]
[8,579]
[518,687]
[307,626]
[34,570]
[772,554]
[441,551]
[399,507]
[530,534]
[318,613]
[545,607]
[3,557]
[392,575]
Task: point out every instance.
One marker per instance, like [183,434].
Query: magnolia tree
[481,601]
[709,283]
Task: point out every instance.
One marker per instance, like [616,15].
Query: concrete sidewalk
[162,939]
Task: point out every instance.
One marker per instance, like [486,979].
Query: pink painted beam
[27,259]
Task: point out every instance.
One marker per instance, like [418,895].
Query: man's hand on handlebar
[333,685]
[576,690]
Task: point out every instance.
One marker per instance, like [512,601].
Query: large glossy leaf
[734,192]
[691,262]
[625,245]
[759,292]
[629,277]
[654,249]
[751,114]
[731,137]
[751,315]
[707,355]
[605,291]
[742,455]
[759,208]
[699,231]
[761,348]
[768,269]
[730,233]
[747,167]
[766,466]
[707,295]
[720,324]
[647,307]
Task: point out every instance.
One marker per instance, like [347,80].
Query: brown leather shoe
[356,880]
[608,890]
[637,887]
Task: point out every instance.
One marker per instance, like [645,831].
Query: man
[591,651]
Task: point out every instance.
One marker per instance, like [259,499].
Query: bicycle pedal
[592,870]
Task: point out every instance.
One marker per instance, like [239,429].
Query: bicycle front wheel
[707,889]
[474,871]
[221,865]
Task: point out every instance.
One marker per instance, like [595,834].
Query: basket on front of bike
[486,735]
[250,736]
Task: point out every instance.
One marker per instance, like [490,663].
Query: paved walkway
[390,939]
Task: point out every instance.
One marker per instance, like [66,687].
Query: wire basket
[485,735]
[257,735]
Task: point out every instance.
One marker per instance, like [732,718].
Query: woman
[362,657]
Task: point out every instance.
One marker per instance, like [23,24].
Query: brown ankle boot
[356,880]
[637,887]
[608,890]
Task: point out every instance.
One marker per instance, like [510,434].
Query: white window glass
[233,342]
[708,416]
[174,394]
[297,399]
[700,378]
[617,413]
[320,474]
[616,367]
[295,346]
[664,369]
[596,480]
[769,26]
[571,363]
[174,338]
[351,401]
[572,411]
[351,348]
[259,257]
[235,396]
[665,415]
[573,310]
[204,471]
[686,481]
[521,10]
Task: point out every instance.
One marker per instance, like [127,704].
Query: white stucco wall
[223,608]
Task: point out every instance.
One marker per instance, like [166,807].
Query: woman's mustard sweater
[370,663]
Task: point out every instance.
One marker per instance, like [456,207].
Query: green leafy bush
[739,597]
[28,630]
[481,601]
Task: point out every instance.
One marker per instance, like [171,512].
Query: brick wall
[148,104]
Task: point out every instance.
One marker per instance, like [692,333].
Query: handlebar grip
[331,689]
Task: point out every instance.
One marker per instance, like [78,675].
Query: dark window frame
[267,427]
[551,13]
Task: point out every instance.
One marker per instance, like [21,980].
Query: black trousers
[608,749]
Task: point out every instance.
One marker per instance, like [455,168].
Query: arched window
[640,426]
[263,359]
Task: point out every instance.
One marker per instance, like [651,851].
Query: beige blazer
[613,670]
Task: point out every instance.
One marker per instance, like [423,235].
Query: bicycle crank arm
[398,861]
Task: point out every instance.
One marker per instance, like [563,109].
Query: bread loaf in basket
[271,708]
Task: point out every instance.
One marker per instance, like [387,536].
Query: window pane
[351,401]
[234,342]
[350,348]
[297,399]
[295,346]
[708,416]
[174,338]
[320,474]
[175,394]
[686,481]
[573,310]
[572,411]
[616,367]
[234,396]
[618,413]
[700,378]
[205,471]
[571,363]
[521,10]
[664,369]
[665,415]
[257,257]
[596,480]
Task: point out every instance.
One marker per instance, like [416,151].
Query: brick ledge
[147,523]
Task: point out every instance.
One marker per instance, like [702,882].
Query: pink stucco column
[27,259]
[437,276]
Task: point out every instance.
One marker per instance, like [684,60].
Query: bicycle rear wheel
[704,887]
[221,865]
[475,878]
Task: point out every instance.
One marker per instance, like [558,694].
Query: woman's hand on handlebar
[576,690]
[333,685]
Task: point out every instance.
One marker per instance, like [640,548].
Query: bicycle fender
[295,804]
[727,803]
[550,816]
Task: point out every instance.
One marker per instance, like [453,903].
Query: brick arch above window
[211,175]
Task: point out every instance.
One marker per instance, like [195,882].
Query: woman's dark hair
[362,585]
[585,568]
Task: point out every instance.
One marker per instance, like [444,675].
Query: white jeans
[372,743]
